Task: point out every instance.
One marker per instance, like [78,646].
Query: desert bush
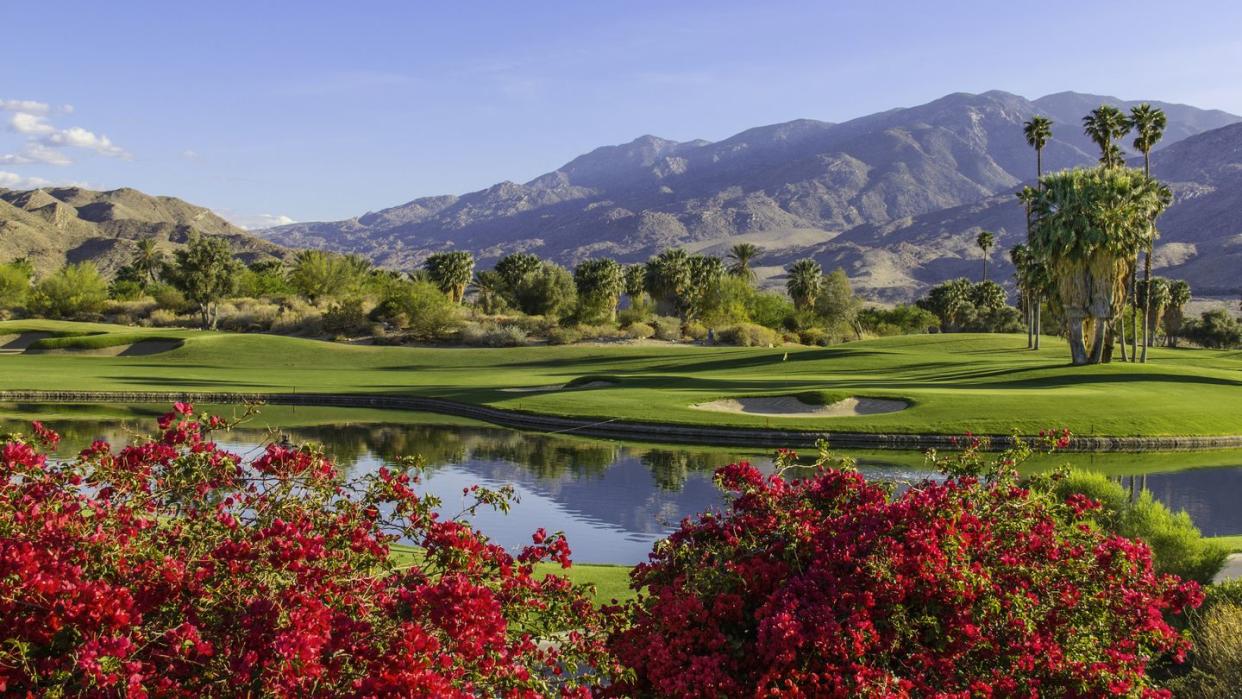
[899,320]
[667,328]
[830,586]
[564,336]
[425,311]
[694,330]
[639,331]
[1178,546]
[492,334]
[132,312]
[249,315]
[164,318]
[125,290]
[1216,329]
[346,318]
[73,291]
[815,336]
[14,285]
[184,571]
[298,317]
[748,335]
[1216,659]
[168,297]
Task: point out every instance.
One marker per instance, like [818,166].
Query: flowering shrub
[173,568]
[831,586]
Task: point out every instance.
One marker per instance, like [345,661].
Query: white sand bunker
[557,387]
[790,406]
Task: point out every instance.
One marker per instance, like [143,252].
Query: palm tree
[666,277]
[985,240]
[148,260]
[740,257]
[1179,296]
[1038,132]
[600,283]
[803,284]
[451,272]
[487,287]
[1148,123]
[1020,256]
[1104,125]
[1087,225]
[705,274]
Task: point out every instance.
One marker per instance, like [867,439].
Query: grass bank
[953,383]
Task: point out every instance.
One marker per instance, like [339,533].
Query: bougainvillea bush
[833,586]
[173,568]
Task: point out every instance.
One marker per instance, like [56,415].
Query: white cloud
[12,180]
[79,137]
[28,106]
[39,153]
[252,222]
[190,154]
[30,124]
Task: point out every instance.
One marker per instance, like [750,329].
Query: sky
[271,112]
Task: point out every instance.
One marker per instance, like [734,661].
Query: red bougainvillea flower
[975,586]
[173,568]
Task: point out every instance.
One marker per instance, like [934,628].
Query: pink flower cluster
[172,568]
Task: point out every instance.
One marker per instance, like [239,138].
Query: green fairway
[953,383]
[1233,543]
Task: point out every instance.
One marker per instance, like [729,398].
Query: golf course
[927,384]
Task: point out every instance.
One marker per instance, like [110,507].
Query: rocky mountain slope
[891,196]
[53,226]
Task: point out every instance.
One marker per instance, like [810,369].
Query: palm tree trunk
[1146,304]
[1030,321]
[1122,322]
[1078,350]
[1097,347]
[1039,306]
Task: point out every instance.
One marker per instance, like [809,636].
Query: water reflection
[612,499]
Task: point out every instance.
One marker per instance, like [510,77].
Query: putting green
[953,383]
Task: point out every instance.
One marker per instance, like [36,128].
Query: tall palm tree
[1020,256]
[452,272]
[666,277]
[600,283]
[740,257]
[1038,132]
[805,279]
[149,260]
[1148,123]
[1104,125]
[1179,296]
[985,240]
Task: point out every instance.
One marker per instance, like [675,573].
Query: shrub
[425,311]
[748,335]
[639,331]
[1216,661]
[564,336]
[125,290]
[1178,546]
[815,336]
[899,320]
[346,319]
[184,570]
[491,334]
[974,586]
[14,285]
[168,297]
[249,315]
[666,328]
[163,318]
[694,330]
[1216,329]
[73,291]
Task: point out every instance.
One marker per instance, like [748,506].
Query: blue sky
[316,110]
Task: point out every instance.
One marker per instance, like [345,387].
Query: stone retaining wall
[614,429]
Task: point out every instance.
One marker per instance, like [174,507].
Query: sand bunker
[142,348]
[557,387]
[19,343]
[790,406]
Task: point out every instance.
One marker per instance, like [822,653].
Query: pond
[612,499]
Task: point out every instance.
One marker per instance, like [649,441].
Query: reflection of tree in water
[670,468]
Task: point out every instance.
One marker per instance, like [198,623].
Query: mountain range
[58,225]
[895,198]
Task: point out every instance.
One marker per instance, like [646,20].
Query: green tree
[665,278]
[73,291]
[318,275]
[1154,294]
[264,278]
[600,283]
[1088,224]
[985,241]
[1175,314]
[1104,125]
[740,257]
[423,309]
[950,302]
[1148,124]
[836,305]
[805,278]
[705,275]
[1038,131]
[511,270]
[489,290]
[549,291]
[148,261]
[988,296]
[205,272]
[14,285]
[451,272]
